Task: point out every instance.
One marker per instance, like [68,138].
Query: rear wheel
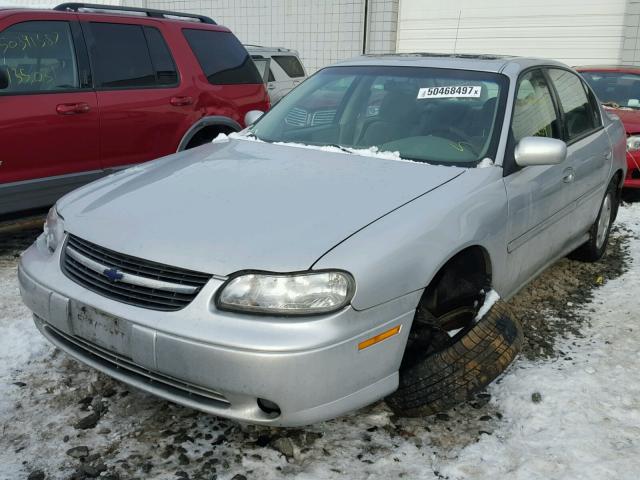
[595,247]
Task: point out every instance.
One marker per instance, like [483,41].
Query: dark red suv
[88,89]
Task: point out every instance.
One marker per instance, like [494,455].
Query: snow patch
[489,301]
[485,163]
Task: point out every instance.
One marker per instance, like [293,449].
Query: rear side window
[222,57]
[290,64]
[165,69]
[580,117]
[38,57]
[120,56]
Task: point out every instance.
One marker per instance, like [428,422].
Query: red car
[618,88]
[89,89]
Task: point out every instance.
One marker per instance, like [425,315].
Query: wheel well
[467,270]
[207,134]
[617,178]
[619,181]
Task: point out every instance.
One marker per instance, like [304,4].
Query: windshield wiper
[611,104]
[340,147]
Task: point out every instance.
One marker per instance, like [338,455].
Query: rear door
[143,101]
[539,204]
[589,149]
[48,113]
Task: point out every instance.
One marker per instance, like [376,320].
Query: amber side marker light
[379,338]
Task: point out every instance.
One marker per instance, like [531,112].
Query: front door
[538,198]
[48,114]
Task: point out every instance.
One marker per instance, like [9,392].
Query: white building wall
[573,31]
[322,31]
[383,26]
[631,45]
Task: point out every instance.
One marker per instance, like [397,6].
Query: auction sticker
[459,91]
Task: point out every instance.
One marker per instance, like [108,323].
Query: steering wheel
[459,136]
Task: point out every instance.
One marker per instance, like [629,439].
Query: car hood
[630,118]
[241,204]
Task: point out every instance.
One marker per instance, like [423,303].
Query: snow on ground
[574,416]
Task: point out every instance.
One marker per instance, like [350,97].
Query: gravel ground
[69,422]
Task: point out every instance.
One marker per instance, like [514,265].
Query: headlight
[306,293]
[53,230]
[633,143]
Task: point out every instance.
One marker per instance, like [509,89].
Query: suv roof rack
[148,12]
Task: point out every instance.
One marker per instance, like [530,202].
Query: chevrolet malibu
[348,246]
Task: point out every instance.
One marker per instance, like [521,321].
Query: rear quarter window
[222,57]
[290,64]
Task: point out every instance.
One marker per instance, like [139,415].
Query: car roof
[608,68]
[460,61]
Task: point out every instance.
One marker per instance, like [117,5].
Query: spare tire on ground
[447,377]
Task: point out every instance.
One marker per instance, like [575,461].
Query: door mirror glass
[252,117]
[4,78]
[540,151]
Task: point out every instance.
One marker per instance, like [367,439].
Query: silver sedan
[342,248]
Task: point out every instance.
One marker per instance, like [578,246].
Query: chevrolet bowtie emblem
[113,275]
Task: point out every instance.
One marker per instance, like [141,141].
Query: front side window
[290,64]
[424,114]
[534,113]
[579,117]
[222,57]
[120,56]
[38,57]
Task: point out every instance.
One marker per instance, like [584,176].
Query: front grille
[129,279]
[113,362]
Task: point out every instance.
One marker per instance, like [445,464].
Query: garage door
[573,31]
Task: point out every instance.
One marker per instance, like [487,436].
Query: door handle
[72,108]
[181,101]
[607,155]
[271,86]
[568,175]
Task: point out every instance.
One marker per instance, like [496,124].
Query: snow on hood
[235,205]
[371,152]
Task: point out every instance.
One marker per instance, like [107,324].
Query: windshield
[615,89]
[425,114]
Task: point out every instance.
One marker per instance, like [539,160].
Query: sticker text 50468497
[456,91]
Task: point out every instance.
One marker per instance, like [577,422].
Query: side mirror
[540,151]
[252,117]
[4,78]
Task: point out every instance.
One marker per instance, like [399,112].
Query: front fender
[401,252]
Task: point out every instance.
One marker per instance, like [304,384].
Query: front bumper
[221,362]
[632,179]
